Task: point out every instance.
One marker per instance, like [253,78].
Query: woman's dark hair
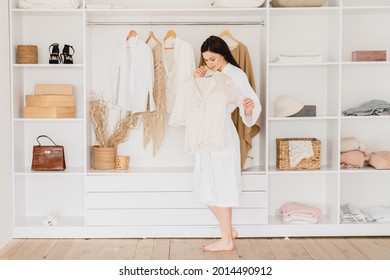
[217,45]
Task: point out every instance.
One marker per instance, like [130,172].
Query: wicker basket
[283,156]
[122,162]
[103,158]
[27,54]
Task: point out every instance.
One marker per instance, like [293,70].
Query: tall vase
[103,158]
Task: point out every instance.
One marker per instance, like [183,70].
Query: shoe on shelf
[67,54]
[54,51]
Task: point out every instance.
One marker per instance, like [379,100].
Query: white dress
[217,175]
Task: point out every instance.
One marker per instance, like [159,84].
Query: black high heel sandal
[67,57]
[54,51]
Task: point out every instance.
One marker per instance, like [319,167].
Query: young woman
[217,56]
[204,107]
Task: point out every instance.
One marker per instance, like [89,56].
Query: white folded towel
[103,6]
[237,4]
[49,4]
[299,58]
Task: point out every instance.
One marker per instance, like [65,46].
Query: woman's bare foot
[220,245]
[234,233]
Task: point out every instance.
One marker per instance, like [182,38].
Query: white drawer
[170,217]
[141,182]
[161,182]
[145,200]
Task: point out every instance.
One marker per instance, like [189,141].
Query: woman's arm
[250,107]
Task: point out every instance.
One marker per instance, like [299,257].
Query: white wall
[6,208]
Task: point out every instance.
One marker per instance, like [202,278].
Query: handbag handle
[46,137]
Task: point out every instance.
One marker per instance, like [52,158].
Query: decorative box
[369,55]
[306,111]
[27,54]
[298,3]
[49,112]
[62,89]
[283,154]
[50,100]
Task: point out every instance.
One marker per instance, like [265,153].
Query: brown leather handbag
[48,158]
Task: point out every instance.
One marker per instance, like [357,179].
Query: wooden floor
[356,248]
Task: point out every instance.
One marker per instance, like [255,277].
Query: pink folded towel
[297,208]
[353,159]
[380,160]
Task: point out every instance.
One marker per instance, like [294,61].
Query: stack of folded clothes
[353,154]
[380,160]
[296,213]
[375,214]
[373,107]
[299,58]
[351,214]
[379,214]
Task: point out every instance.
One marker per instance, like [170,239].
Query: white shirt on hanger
[179,65]
[133,76]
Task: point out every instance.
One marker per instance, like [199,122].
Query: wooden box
[49,112]
[50,100]
[61,89]
[369,55]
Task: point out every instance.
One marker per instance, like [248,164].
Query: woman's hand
[248,106]
[200,72]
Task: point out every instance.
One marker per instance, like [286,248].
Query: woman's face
[214,61]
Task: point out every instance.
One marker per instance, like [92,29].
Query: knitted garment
[373,107]
[154,122]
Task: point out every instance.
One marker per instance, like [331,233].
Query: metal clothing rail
[261,23]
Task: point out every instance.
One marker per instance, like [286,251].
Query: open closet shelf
[324,169]
[47,12]
[151,170]
[46,65]
[146,12]
[77,171]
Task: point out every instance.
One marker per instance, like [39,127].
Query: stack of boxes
[50,101]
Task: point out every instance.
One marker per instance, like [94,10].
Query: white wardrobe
[153,198]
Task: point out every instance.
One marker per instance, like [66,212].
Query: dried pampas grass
[99,112]
[122,129]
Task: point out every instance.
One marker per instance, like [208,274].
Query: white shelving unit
[154,198]
[39,194]
[333,86]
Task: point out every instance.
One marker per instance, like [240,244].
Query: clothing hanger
[227,33]
[151,36]
[132,33]
[170,34]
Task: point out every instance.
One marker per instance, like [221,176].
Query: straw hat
[286,105]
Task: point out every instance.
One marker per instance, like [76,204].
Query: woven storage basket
[283,156]
[122,162]
[27,54]
[103,158]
